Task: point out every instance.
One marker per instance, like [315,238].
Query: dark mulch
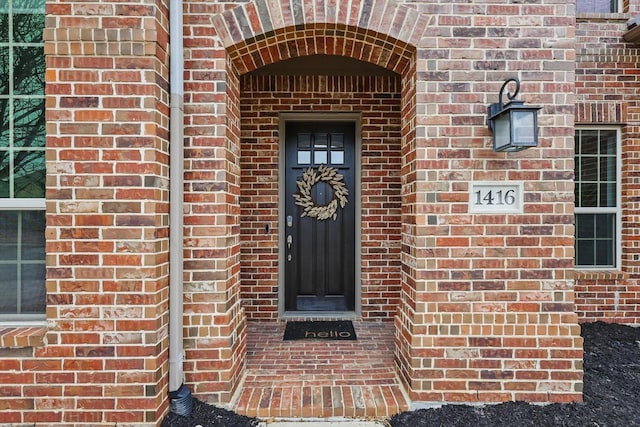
[611,395]
[208,416]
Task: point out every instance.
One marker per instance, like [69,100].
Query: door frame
[357,199]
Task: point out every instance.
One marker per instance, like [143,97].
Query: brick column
[488,304]
[215,336]
[105,360]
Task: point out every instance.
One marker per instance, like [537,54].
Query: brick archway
[263,32]
[260,33]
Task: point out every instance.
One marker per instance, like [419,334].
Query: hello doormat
[322,330]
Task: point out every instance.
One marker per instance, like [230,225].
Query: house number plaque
[495,197]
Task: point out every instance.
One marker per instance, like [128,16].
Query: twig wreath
[310,178]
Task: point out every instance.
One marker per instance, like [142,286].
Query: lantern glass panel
[501,131]
[523,127]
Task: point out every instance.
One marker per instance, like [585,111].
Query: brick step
[321,401]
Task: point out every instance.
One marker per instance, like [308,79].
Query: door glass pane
[304,140]
[337,157]
[320,157]
[304,157]
[321,140]
[337,140]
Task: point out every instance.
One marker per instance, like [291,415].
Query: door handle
[289,241]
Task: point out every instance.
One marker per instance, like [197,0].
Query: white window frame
[617,210]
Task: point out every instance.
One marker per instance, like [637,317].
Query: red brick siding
[214,320]
[486,303]
[378,100]
[607,85]
[104,355]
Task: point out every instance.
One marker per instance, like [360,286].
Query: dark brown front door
[320,216]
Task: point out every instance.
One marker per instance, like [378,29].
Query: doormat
[323,330]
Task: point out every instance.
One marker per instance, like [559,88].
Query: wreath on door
[310,178]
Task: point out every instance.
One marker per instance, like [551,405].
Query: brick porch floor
[320,378]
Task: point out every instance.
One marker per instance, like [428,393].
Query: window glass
[28,21]
[596,196]
[29,123]
[32,292]
[4,70]
[596,6]
[22,159]
[8,289]
[8,235]
[22,265]
[5,176]
[4,23]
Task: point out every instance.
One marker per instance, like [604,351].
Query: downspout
[179,395]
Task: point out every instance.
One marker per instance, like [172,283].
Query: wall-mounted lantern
[514,125]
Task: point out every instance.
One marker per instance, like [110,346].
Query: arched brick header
[262,32]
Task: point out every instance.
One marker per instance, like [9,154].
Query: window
[22,160]
[597,212]
[597,6]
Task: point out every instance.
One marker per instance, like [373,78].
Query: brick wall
[214,321]
[485,303]
[607,84]
[103,356]
[378,101]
